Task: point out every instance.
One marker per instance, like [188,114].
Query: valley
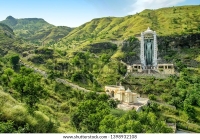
[52,78]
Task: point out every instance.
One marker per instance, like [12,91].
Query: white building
[148,46]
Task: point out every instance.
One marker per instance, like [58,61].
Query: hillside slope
[50,35]
[27,26]
[36,30]
[6,34]
[90,58]
[166,21]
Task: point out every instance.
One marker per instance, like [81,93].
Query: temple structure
[148,49]
[149,56]
[128,99]
[119,93]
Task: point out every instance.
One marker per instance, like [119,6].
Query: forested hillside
[50,36]
[36,30]
[52,78]
[26,27]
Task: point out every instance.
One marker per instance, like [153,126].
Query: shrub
[65,107]
[6,127]
[44,123]
[18,113]
[152,97]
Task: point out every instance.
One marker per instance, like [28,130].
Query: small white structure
[134,68]
[128,99]
[119,93]
[166,68]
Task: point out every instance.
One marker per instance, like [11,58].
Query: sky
[74,13]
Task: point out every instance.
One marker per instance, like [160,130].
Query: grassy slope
[36,29]
[51,35]
[26,27]
[166,21]
[6,33]
[6,38]
[49,110]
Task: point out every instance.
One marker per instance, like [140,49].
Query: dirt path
[59,80]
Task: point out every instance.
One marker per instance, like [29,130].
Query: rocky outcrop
[131,50]
[166,43]
[101,47]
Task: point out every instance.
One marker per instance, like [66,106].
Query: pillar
[142,51]
[155,50]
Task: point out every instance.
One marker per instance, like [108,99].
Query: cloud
[140,5]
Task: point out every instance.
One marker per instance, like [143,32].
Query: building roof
[121,88]
[148,31]
[128,90]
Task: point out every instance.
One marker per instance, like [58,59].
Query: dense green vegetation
[165,21]
[90,56]
[36,30]
[26,27]
[49,36]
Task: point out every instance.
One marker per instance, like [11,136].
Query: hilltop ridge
[36,30]
[165,21]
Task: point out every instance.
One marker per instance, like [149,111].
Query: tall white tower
[148,49]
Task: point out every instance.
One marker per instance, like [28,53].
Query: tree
[161,127]
[152,97]
[104,58]
[122,69]
[103,97]
[9,72]
[15,61]
[89,114]
[133,126]
[190,111]
[19,81]
[51,75]
[174,10]
[149,15]
[77,76]
[107,125]
[112,103]
[33,89]
[29,87]
[25,71]
[91,96]
[19,84]
[75,119]
[76,61]
[4,79]
[91,123]
[7,127]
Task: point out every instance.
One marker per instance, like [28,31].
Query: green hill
[166,21]
[36,30]
[26,27]
[10,43]
[90,46]
[50,93]
[6,34]
[50,35]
